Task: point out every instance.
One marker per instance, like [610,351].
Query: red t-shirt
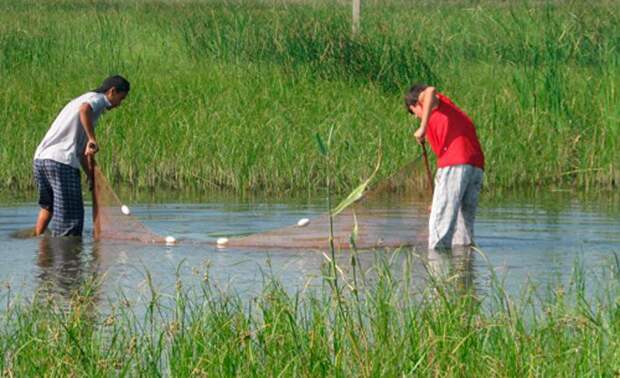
[452,136]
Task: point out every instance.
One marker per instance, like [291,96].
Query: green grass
[379,325]
[229,95]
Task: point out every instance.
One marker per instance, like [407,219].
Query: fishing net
[393,213]
[110,221]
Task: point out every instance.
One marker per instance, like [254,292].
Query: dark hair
[116,81]
[411,98]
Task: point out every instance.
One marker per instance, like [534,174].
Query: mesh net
[376,219]
[392,214]
[109,220]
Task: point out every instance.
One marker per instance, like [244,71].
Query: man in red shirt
[460,163]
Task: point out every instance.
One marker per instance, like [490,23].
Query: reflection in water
[454,267]
[64,268]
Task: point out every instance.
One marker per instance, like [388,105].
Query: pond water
[522,238]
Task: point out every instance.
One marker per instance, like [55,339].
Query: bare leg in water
[42,221]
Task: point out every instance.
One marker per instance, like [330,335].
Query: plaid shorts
[60,191]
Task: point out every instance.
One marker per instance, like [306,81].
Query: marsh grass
[379,324]
[229,95]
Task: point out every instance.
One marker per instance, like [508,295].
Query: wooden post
[357,4]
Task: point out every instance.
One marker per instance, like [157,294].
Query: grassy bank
[230,95]
[386,328]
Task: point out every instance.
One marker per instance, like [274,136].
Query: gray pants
[455,201]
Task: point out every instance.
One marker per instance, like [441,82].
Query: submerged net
[392,214]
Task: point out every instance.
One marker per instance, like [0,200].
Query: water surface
[522,239]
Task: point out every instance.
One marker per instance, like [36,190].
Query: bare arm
[429,100]
[86,120]
[88,165]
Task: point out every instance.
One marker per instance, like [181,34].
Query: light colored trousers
[455,201]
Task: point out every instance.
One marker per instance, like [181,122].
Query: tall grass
[229,95]
[386,327]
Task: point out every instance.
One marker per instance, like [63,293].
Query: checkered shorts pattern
[60,191]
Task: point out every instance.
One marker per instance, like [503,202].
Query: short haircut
[116,81]
[411,98]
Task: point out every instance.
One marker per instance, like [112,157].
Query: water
[522,239]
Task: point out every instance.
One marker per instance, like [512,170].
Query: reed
[386,326]
[229,96]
